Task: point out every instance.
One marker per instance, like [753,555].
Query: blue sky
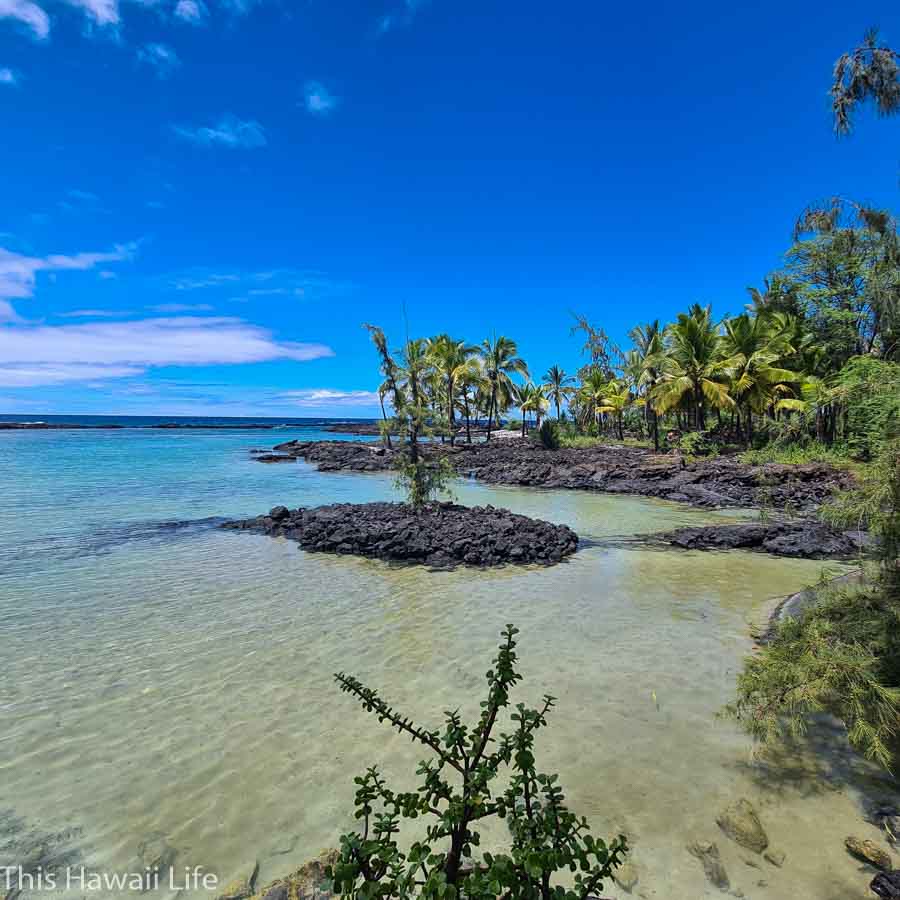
[203,201]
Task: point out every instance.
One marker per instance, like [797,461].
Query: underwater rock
[868,851]
[156,854]
[741,823]
[440,535]
[886,885]
[626,876]
[775,857]
[242,887]
[309,882]
[708,854]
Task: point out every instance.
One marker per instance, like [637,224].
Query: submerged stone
[741,823]
[708,854]
[868,851]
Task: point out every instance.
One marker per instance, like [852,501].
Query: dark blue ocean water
[150,421]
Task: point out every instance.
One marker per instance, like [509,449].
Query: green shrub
[545,837]
[698,443]
[548,435]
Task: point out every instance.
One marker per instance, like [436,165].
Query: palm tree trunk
[491,412]
[451,414]
[468,429]
[387,431]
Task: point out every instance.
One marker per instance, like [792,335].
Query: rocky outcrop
[803,539]
[720,482]
[439,535]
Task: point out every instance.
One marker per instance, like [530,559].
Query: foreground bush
[843,655]
[456,793]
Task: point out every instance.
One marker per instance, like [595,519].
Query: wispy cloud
[100,12]
[229,131]
[28,14]
[96,314]
[7,313]
[318,99]
[180,307]
[245,286]
[400,17]
[160,57]
[82,196]
[192,12]
[327,398]
[18,273]
[7,76]
[53,354]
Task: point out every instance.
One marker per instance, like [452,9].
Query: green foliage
[869,72]
[698,443]
[795,454]
[868,392]
[843,655]
[457,791]
[424,479]
[548,435]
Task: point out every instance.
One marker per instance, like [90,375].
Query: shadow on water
[104,539]
[822,761]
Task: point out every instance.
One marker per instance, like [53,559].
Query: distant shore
[361,428]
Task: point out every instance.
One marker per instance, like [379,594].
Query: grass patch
[586,442]
[796,455]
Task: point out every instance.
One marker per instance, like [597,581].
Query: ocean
[168,684]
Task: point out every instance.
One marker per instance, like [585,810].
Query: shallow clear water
[162,676]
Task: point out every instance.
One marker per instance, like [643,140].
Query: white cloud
[102,12]
[229,131]
[50,373]
[7,76]
[319,100]
[27,13]
[18,273]
[320,398]
[181,307]
[45,354]
[193,12]
[160,57]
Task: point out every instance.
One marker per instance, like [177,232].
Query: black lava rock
[441,535]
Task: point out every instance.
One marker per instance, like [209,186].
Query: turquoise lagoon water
[165,679]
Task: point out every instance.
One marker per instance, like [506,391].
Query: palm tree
[590,396]
[558,385]
[692,372]
[648,341]
[449,356]
[500,360]
[616,400]
[469,380]
[530,397]
[753,348]
[383,389]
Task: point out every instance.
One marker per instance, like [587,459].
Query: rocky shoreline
[441,535]
[799,539]
[713,483]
